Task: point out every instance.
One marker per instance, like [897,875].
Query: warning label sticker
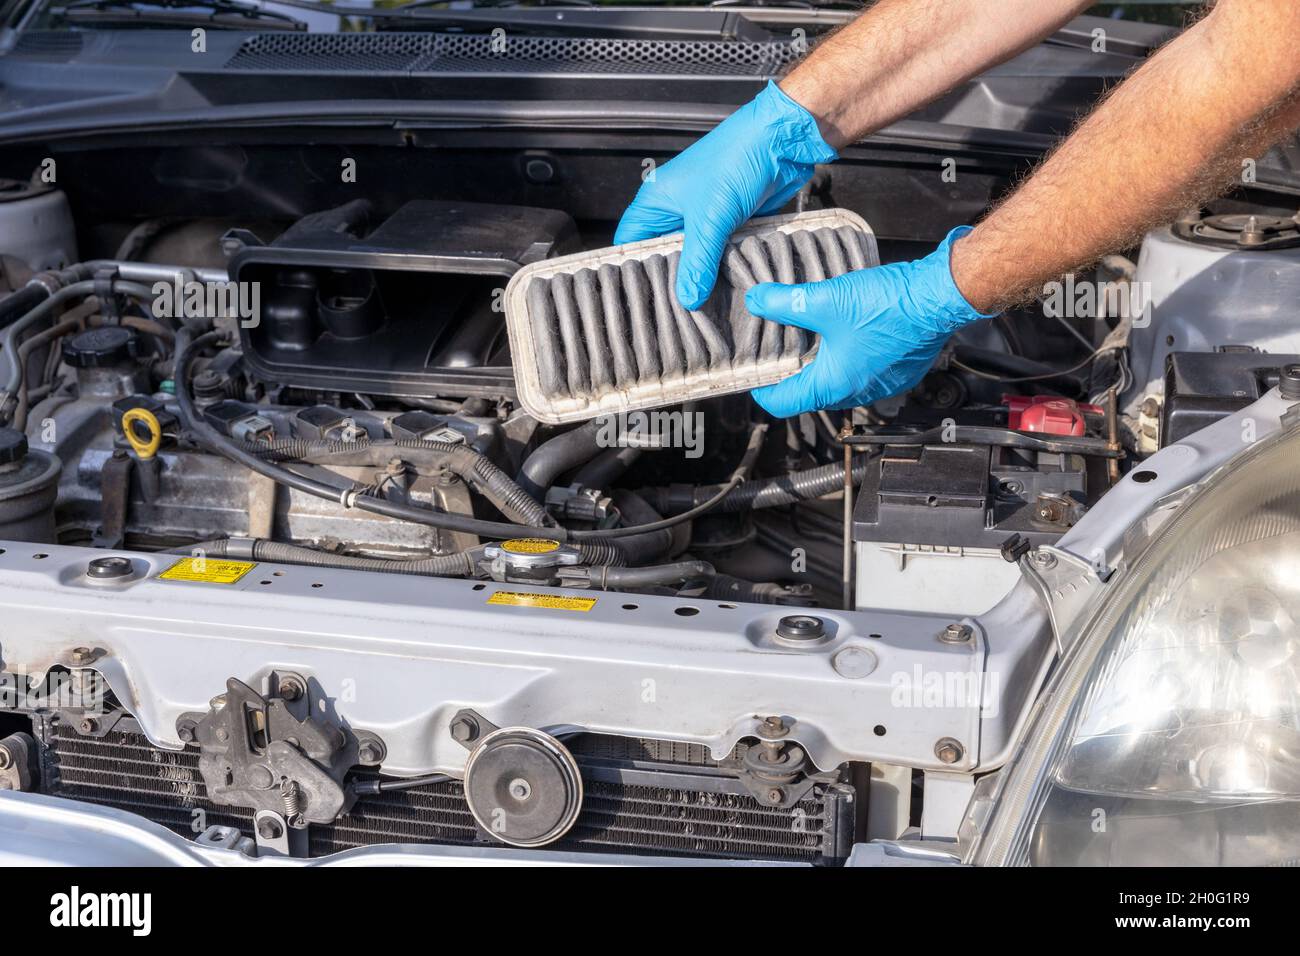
[207,570]
[554,602]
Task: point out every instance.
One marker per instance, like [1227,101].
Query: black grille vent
[332,52]
[56,43]
[125,770]
[673,809]
[483,53]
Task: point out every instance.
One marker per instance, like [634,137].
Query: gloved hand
[753,162]
[880,329]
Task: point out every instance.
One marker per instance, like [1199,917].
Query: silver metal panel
[400,655]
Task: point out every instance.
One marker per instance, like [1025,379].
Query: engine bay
[331,393]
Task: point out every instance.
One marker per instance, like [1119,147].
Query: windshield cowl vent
[441,53]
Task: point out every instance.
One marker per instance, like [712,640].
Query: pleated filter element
[602,332]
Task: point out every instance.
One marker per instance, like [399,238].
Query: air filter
[602,332]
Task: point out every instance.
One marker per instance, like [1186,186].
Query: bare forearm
[1173,135]
[902,54]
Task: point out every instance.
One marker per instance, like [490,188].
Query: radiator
[641,797]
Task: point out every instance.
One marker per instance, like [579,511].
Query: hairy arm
[1173,135]
[902,54]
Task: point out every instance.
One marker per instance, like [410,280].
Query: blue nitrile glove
[752,163]
[880,329]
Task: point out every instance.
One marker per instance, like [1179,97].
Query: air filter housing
[602,332]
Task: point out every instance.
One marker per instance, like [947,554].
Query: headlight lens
[1172,735]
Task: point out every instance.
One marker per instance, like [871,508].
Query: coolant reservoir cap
[99,348]
[530,554]
[13,446]
[530,546]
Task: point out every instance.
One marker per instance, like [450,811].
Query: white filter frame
[557,410]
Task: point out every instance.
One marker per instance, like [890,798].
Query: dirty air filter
[602,332]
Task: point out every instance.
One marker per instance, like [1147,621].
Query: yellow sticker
[208,570]
[554,602]
[530,545]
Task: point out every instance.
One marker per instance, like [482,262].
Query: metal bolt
[520,789]
[949,750]
[801,627]
[773,726]
[290,688]
[956,633]
[464,729]
[1288,385]
[81,655]
[1052,509]
[1043,559]
[370,752]
[268,828]
[107,569]
[87,725]
[774,795]
[186,731]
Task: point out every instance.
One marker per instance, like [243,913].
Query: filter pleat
[671,354]
[746,329]
[832,254]
[794,340]
[587,293]
[711,332]
[616,322]
[854,246]
[550,360]
[640,301]
[577,363]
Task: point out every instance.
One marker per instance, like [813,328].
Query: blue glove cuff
[795,131]
[949,310]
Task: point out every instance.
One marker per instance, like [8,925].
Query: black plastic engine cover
[410,308]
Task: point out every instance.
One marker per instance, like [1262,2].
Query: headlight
[1171,734]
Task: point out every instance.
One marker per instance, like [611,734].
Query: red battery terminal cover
[1048,415]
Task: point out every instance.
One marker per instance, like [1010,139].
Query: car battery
[930,518]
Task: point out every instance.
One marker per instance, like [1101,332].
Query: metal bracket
[257,752]
[115,497]
[1066,584]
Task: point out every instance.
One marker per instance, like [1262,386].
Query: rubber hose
[557,455]
[258,549]
[764,493]
[19,303]
[657,575]
[724,587]
[460,563]
[513,501]
[1014,366]
[642,548]
[607,467]
[608,554]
